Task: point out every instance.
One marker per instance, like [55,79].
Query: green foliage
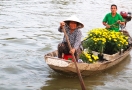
[105,41]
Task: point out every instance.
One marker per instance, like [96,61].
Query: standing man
[72,26]
[113,19]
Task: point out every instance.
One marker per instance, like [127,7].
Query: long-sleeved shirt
[74,37]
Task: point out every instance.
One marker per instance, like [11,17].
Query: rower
[72,25]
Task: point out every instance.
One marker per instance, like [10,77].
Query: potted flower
[102,41]
[88,57]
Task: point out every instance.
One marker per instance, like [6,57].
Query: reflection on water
[118,77]
[28,31]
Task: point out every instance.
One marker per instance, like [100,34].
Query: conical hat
[75,19]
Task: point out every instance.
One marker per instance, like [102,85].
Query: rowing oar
[74,59]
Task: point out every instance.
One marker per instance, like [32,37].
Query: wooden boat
[86,69]
[68,66]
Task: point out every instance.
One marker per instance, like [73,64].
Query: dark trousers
[63,48]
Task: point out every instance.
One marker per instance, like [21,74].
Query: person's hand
[107,26]
[62,24]
[119,21]
[72,51]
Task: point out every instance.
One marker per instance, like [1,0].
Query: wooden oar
[74,59]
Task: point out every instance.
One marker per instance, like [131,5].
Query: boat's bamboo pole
[74,59]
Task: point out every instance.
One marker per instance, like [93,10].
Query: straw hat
[75,19]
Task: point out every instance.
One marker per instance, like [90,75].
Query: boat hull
[86,69]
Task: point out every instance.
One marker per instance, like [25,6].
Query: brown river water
[28,31]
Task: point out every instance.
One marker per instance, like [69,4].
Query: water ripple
[29,30]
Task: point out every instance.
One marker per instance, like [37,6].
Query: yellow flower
[90,34]
[109,38]
[89,57]
[126,43]
[126,37]
[115,40]
[90,60]
[101,39]
[119,45]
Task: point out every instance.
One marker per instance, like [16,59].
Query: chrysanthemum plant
[88,57]
[102,41]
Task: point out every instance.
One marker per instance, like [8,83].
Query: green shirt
[110,20]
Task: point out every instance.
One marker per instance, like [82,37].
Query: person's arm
[105,24]
[121,20]
[105,20]
[72,50]
[61,26]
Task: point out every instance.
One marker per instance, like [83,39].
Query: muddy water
[28,30]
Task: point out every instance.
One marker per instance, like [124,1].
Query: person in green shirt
[113,19]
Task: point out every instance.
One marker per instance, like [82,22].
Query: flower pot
[101,57]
